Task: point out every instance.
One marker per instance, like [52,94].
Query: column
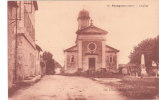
[79,54]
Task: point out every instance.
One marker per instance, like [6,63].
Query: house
[21,40]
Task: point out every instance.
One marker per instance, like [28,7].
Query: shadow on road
[18,86]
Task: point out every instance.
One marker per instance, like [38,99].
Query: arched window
[111,59]
[72,59]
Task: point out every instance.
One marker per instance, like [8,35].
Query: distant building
[57,67]
[21,40]
[123,69]
[43,66]
[38,67]
[91,51]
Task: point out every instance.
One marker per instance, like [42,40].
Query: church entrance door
[92,63]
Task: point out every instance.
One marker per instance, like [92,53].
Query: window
[92,46]
[12,13]
[111,59]
[29,24]
[28,6]
[72,59]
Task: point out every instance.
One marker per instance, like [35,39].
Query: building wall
[86,54]
[43,66]
[111,57]
[11,45]
[38,70]
[26,44]
[110,65]
[29,19]
[71,61]
[111,61]
[25,58]
[24,51]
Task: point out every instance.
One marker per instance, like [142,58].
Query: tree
[148,47]
[47,56]
[156,53]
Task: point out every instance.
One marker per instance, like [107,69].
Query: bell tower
[83,19]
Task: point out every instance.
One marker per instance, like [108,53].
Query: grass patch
[138,88]
[131,87]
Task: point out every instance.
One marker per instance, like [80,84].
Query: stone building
[90,51]
[21,40]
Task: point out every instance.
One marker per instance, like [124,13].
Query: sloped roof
[38,47]
[92,30]
[73,48]
[111,49]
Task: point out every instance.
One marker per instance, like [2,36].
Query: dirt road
[58,87]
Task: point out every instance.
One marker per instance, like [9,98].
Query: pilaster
[79,54]
[103,54]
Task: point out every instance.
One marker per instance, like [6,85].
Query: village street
[56,87]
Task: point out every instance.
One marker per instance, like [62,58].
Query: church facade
[90,51]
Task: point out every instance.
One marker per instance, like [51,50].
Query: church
[90,51]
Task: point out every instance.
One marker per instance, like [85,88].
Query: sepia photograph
[83,50]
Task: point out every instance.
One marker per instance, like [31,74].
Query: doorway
[92,63]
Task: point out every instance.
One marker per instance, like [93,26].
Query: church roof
[92,30]
[71,49]
[74,48]
[38,47]
[111,49]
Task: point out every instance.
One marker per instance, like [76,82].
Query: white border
[3,51]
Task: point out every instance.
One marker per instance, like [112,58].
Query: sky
[56,24]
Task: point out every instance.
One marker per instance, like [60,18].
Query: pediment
[71,49]
[111,49]
[92,30]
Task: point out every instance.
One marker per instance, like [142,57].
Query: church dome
[83,14]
